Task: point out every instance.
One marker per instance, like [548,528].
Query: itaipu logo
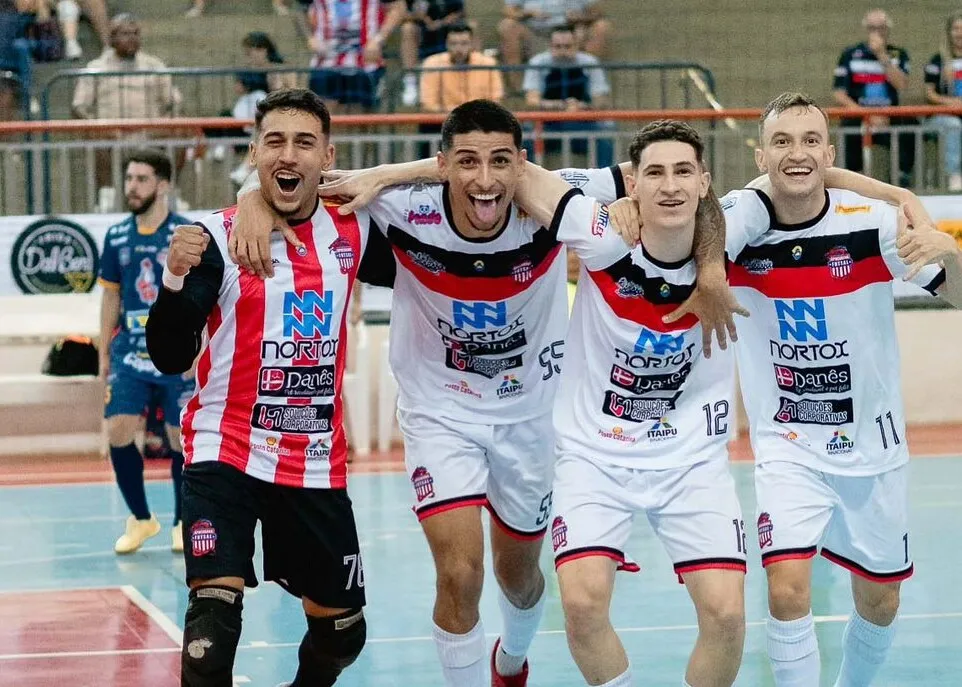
[54,255]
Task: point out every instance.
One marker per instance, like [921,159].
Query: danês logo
[54,255]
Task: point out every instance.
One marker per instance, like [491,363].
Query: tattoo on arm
[709,242]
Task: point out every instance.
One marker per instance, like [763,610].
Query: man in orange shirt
[442,91]
[448,80]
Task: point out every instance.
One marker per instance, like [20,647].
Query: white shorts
[506,468]
[693,510]
[860,522]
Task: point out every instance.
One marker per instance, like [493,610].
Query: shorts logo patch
[559,533]
[423,483]
[197,648]
[764,530]
[203,538]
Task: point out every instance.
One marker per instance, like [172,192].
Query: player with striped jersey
[642,420]
[819,360]
[477,337]
[263,433]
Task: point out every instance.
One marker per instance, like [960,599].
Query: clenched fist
[188,244]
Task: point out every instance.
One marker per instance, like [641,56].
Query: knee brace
[212,630]
[330,645]
[68,10]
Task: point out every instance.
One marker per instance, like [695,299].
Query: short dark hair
[783,102]
[461,27]
[664,130]
[157,160]
[479,115]
[564,28]
[299,99]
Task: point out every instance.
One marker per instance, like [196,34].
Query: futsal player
[822,390]
[130,272]
[477,339]
[263,433]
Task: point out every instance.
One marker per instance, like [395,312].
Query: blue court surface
[55,540]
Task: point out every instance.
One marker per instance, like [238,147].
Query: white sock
[623,680]
[793,651]
[462,656]
[520,627]
[865,646]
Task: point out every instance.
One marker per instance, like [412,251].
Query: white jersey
[636,392]
[477,326]
[818,358]
[268,398]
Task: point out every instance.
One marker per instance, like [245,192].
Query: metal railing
[209,91]
[74,148]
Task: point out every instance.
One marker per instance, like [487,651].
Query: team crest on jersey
[523,271]
[839,444]
[839,262]
[425,214]
[301,250]
[344,252]
[425,261]
[423,483]
[758,266]
[559,533]
[203,538]
[229,223]
[664,290]
[764,530]
[146,283]
[797,253]
[629,289]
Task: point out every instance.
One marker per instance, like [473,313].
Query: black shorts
[347,86]
[308,536]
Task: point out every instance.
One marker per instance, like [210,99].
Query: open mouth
[673,203]
[287,182]
[486,206]
[797,172]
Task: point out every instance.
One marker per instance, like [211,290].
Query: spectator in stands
[145,96]
[526,20]
[564,78]
[871,74]
[423,34]
[442,91]
[261,53]
[348,61]
[943,86]
[14,52]
[198,7]
[68,14]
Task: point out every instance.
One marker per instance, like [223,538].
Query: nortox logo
[802,321]
[308,315]
[479,315]
[658,343]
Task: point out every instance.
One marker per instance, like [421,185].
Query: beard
[144,206]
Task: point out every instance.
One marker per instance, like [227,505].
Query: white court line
[426,638]
[155,614]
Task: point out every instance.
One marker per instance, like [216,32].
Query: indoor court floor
[73,614]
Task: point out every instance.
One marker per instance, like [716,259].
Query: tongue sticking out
[487,210]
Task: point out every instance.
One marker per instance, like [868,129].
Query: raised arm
[192,280]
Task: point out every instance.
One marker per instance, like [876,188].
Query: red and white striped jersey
[268,395]
[477,326]
[819,358]
[344,28]
[636,392]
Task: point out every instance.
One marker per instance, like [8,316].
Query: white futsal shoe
[138,531]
